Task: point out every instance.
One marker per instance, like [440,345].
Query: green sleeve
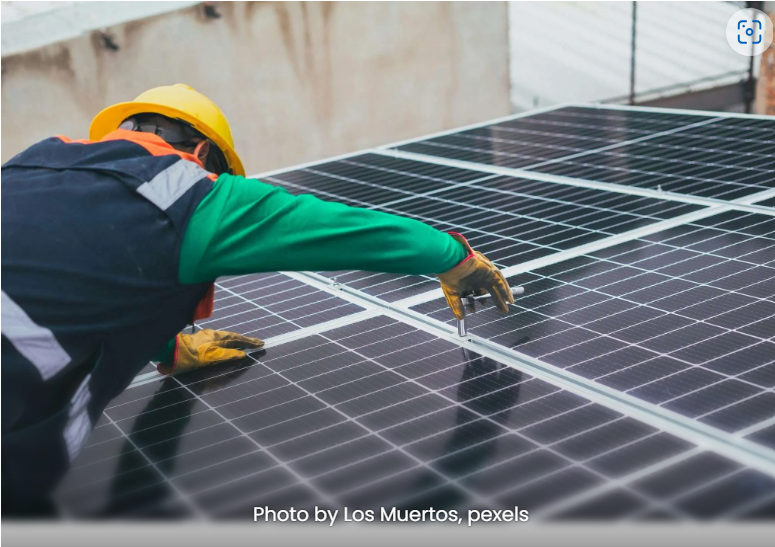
[246,226]
[167,353]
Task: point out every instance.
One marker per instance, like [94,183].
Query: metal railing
[745,80]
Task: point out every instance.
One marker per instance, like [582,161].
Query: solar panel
[715,157]
[635,378]
[511,220]
[695,161]
[268,305]
[372,414]
[563,132]
[683,319]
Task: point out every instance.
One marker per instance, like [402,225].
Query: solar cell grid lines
[677,163]
[723,158]
[272,304]
[634,379]
[684,319]
[509,219]
[368,415]
[267,305]
[559,133]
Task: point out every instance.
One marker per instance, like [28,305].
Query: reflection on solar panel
[272,304]
[550,136]
[684,319]
[373,414]
[698,155]
[509,219]
[634,379]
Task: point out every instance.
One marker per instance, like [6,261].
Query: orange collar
[152,143]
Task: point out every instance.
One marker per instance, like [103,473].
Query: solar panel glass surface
[372,414]
[650,296]
[705,156]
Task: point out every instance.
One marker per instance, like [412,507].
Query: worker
[111,247]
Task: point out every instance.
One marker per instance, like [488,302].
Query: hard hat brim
[110,118]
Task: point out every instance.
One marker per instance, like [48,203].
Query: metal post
[749,87]
[632,53]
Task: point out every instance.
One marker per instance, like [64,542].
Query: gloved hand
[475,275]
[207,347]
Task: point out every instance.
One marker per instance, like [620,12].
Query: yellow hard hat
[174,101]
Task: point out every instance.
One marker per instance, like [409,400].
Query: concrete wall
[298,81]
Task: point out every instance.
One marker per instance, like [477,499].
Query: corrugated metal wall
[581,51]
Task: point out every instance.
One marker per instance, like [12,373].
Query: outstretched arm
[246,226]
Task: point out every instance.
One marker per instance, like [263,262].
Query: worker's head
[176,112]
[181,136]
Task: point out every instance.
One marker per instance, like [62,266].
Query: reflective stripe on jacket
[91,236]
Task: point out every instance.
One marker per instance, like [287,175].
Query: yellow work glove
[207,347]
[475,275]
